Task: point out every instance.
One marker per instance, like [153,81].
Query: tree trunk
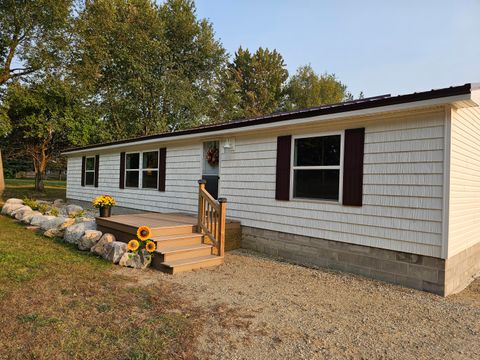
[39,186]
[2,179]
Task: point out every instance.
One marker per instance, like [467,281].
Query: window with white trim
[90,171]
[141,168]
[317,167]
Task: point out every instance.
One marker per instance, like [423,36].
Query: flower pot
[105,211]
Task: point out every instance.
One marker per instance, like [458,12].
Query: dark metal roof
[360,104]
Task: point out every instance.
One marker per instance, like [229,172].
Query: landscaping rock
[83,219]
[54,223]
[89,239]
[75,232]
[7,209]
[73,209]
[54,233]
[58,203]
[114,251]
[14,201]
[28,216]
[20,213]
[68,222]
[141,260]
[99,247]
[40,219]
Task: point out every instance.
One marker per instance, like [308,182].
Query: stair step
[178,252]
[167,241]
[200,262]
[173,230]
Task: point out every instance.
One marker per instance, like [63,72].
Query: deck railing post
[222,216]
[201,204]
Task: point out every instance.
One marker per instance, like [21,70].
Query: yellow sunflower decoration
[150,246]
[144,233]
[133,245]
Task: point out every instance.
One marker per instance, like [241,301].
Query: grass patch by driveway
[58,302]
[19,188]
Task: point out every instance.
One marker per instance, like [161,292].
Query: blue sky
[374,46]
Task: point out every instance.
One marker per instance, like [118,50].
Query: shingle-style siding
[402,203]
[402,187]
[182,172]
[464,213]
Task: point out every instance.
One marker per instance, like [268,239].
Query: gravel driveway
[259,308]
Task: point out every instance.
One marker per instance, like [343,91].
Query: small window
[316,167]
[90,171]
[150,170]
[132,170]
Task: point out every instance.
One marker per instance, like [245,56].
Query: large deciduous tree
[150,68]
[259,78]
[46,116]
[308,89]
[31,32]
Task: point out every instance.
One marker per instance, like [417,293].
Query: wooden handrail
[212,217]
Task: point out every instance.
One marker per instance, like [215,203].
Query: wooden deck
[180,246]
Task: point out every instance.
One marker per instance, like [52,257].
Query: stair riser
[176,230]
[157,264]
[188,254]
[178,242]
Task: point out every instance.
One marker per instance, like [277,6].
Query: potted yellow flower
[104,203]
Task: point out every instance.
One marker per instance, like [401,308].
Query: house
[387,187]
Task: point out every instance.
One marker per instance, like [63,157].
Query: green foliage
[33,33]
[31,202]
[77,214]
[43,208]
[54,211]
[308,89]
[259,79]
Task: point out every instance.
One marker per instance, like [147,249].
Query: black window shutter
[162,167]
[84,159]
[97,166]
[353,167]
[282,188]
[122,170]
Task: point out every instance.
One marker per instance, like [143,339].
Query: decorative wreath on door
[212,156]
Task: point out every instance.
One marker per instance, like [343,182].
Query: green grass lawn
[58,302]
[19,188]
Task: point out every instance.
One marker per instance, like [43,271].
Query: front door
[211,160]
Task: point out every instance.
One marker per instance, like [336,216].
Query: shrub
[54,211]
[31,202]
[43,208]
[77,214]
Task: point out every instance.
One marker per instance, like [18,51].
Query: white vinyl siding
[464,213]
[402,203]
[182,173]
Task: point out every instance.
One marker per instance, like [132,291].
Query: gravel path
[259,308]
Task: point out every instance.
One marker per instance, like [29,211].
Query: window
[141,168]
[316,167]
[150,170]
[90,171]
[132,169]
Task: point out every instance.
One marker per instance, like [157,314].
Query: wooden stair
[179,246]
[183,252]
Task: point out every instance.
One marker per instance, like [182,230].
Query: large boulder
[75,232]
[20,213]
[99,247]
[53,233]
[89,239]
[73,209]
[40,219]
[114,251]
[7,209]
[58,203]
[140,260]
[83,219]
[54,223]
[28,216]
[14,201]
[68,222]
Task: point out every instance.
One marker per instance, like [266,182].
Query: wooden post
[222,217]
[201,210]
